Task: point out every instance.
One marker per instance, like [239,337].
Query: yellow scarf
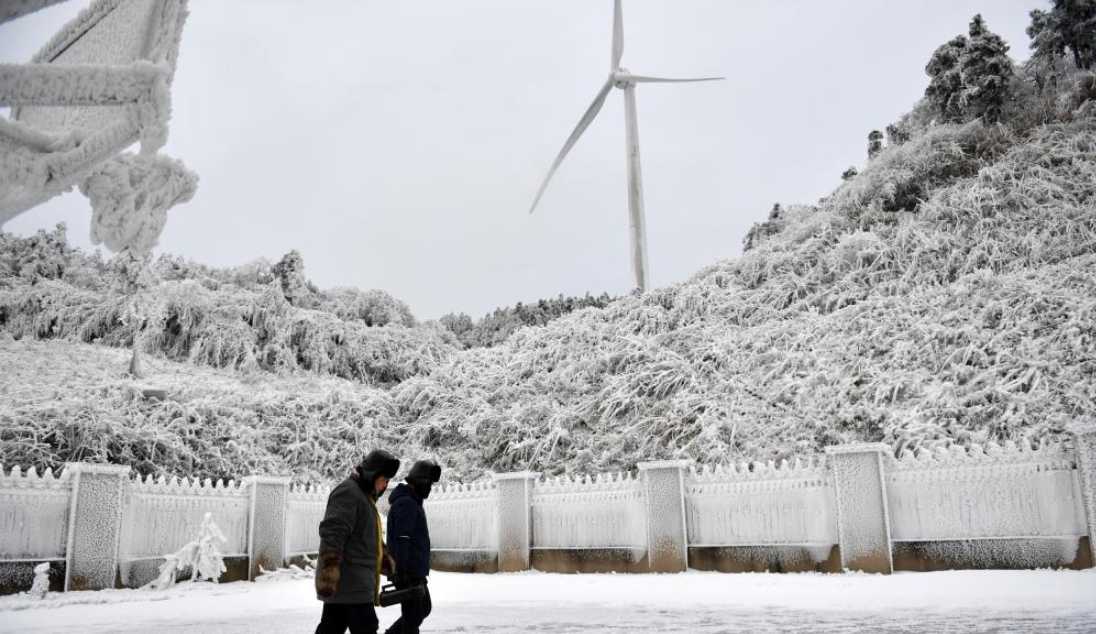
[380,556]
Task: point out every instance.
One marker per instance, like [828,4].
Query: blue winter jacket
[408,534]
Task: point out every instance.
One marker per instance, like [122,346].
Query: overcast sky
[398,145]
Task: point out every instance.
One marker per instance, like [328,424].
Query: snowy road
[995,601]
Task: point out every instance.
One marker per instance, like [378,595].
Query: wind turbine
[623,79]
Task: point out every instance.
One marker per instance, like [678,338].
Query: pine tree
[986,72]
[897,134]
[946,83]
[875,143]
[1070,24]
[290,273]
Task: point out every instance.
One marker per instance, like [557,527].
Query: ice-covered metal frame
[99,86]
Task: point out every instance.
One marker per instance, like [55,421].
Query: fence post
[863,520]
[1084,439]
[266,523]
[95,525]
[667,537]
[515,522]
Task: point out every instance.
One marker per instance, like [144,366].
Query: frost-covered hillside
[943,293]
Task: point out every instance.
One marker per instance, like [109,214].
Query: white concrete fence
[857,506]
[110,529]
[992,506]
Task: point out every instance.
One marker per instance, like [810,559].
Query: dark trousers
[361,618]
[412,613]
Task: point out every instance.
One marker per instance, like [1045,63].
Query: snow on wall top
[459,491]
[308,492]
[812,467]
[16,478]
[1051,455]
[187,486]
[619,481]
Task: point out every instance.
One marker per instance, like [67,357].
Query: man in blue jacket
[409,542]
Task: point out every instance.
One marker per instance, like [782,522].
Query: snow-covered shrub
[201,557]
[254,275]
[373,308]
[1082,90]
[901,177]
[861,248]
[289,573]
[40,586]
[213,321]
[761,230]
[43,256]
[500,324]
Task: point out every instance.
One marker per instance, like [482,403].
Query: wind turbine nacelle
[622,78]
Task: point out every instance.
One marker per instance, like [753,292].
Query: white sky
[398,145]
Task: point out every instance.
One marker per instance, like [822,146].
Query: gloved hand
[327,574]
[388,566]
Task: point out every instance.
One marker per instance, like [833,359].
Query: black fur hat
[378,463]
[425,470]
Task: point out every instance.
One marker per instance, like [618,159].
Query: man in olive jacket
[409,543]
[352,555]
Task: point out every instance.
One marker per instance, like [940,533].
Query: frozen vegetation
[201,557]
[942,294]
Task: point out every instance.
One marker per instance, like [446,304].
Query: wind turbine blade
[583,123]
[618,36]
[661,80]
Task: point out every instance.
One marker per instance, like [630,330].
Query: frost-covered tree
[875,143]
[459,324]
[295,286]
[761,230]
[1069,25]
[135,282]
[498,325]
[373,308]
[43,256]
[946,81]
[970,77]
[849,174]
[986,72]
[202,557]
[897,134]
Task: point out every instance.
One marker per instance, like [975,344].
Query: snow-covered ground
[981,601]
